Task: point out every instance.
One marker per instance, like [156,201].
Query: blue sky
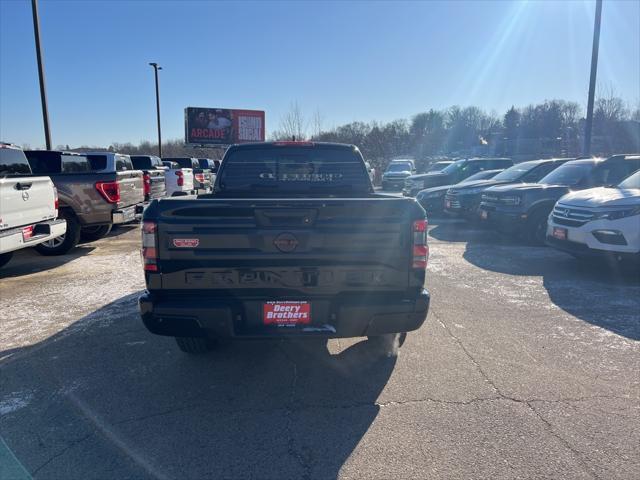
[349,61]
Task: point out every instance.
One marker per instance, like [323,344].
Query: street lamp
[156,67]
[43,90]
[592,80]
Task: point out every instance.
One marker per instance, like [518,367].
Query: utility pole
[156,67]
[592,81]
[43,90]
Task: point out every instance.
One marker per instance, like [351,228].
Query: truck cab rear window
[75,164]
[303,170]
[13,162]
[123,163]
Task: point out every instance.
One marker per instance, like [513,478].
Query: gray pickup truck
[91,202]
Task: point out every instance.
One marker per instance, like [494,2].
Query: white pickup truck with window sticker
[28,205]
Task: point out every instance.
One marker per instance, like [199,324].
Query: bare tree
[316,123]
[292,125]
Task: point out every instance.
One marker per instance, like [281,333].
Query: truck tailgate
[131,188]
[317,246]
[25,200]
[158,187]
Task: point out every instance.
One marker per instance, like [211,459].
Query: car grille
[571,217]
[453,201]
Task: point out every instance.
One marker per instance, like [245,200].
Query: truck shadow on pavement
[28,261]
[106,399]
[600,293]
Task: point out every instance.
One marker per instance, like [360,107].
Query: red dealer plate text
[288,313]
[560,233]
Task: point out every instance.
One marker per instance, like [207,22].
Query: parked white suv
[603,220]
[28,205]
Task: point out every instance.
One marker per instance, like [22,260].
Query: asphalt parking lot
[528,367]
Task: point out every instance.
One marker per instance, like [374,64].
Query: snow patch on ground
[14,402]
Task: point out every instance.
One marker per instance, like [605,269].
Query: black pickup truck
[292,242]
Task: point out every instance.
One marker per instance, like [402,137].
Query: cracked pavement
[528,367]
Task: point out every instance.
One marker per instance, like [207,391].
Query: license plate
[129,214]
[447,204]
[559,233]
[27,233]
[484,214]
[287,313]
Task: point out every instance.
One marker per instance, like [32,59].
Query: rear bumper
[124,215]
[337,317]
[11,240]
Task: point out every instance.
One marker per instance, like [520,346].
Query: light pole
[592,81]
[156,67]
[43,90]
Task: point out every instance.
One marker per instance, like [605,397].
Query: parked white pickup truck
[28,205]
[179,181]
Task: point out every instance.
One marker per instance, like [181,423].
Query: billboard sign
[222,126]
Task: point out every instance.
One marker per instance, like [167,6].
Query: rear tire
[194,345]
[62,244]
[5,258]
[95,232]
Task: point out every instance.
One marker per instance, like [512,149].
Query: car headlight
[617,214]
[511,200]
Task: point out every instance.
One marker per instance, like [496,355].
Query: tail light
[146,179]
[149,246]
[420,247]
[180,176]
[109,190]
[199,177]
[56,201]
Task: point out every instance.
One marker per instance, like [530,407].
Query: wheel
[194,345]
[5,258]
[536,230]
[62,244]
[95,232]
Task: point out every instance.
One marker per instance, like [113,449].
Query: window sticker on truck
[186,242]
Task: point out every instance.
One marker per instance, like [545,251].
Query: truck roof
[280,144]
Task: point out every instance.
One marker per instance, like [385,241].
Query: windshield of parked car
[631,182]
[436,167]
[455,166]
[399,167]
[480,176]
[568,174]
[293,169]
[516,172]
